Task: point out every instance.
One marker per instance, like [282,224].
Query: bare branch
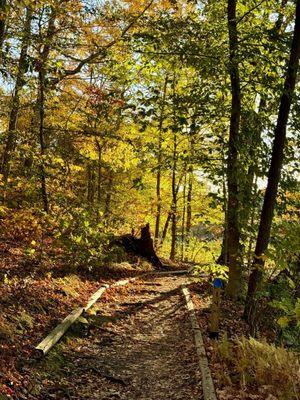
[250,11]
[102,50]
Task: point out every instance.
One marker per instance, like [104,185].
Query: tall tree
[174,198]
[232,214]
[40,102]
[159,162]
[274,173]
[190,187]
[15,103]
[3,16]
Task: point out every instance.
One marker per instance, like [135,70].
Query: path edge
[207,381]
[56,334]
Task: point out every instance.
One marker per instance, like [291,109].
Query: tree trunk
[249,192]
[223,257]
[41,100]
[274,172]
[42,68]
[90,182]
[99,180]
[248,188]
[174,200]
[190,191]
[183,217]
[3,17]
[168,219]
[159,160]
[233,230]
[13,118]
[251,223]
[108,197]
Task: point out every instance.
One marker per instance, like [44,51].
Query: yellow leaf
[283,322]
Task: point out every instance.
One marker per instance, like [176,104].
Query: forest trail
[139,345]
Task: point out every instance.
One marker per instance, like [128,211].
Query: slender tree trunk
[249,189]
[223,257]
[183,217]
[90,182]
[3,17]
[190,190]
[41,100]
[108,198]
[13,118]
[274,173]
[99,180]
[159,160]
[251,223]
[174,200]
[42,68]
[168,219]
[248,185]
[233,230]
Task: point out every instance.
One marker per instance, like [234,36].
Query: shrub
[24,225]
[262,364]
[83,241]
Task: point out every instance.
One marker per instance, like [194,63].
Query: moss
[25,320]
[54,362]
[69,285]
[7,330]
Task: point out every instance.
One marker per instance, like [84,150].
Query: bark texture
[15,103]
[274,171]
[3,14]
[233,229]
[159,166]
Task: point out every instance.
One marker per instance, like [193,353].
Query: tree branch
[102,50]
[250,11]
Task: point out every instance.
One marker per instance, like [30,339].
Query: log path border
[56,334]
[53,337]
[207,381]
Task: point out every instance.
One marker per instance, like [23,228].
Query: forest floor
[138,345]
[36,293]
[135,343]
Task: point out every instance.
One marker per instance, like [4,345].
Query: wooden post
[215,309]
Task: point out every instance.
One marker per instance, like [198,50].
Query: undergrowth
[251,362]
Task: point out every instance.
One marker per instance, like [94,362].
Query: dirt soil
[136,344]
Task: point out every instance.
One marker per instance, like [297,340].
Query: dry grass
[266,366]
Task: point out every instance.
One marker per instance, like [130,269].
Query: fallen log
[172,272]
[54,336]
[59,331]
[96,296]
[207,382]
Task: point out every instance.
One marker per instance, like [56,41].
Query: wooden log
[123,282]
[172,272]
[96,296]
[207,382]
[59,331]
[50,340]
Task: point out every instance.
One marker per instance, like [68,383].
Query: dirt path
[138,346]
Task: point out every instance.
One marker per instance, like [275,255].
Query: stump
[142,246]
